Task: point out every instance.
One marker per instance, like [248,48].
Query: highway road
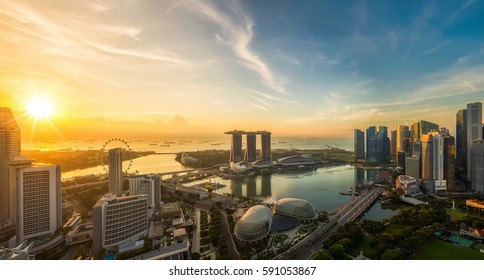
[350,211]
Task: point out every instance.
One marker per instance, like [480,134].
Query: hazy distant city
[206,130]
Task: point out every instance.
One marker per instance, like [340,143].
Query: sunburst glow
[40,107]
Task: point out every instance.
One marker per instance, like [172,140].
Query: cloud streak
[238,35]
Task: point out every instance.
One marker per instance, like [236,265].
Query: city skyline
[320,69]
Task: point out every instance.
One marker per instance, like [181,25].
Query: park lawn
[363,245]
[442,250]
[456,214]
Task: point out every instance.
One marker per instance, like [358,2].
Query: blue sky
[318,68]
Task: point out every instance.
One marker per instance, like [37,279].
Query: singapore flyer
[112,144]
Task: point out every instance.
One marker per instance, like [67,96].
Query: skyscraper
[116,171]
[9,149]
[39,203]
[236,146]
[439,184]
[403,134]
[461,143]
[265,151]
[382,145]
[359,144]
[477,165]
[449,162]
[422,127]
[393,145]
[427,159]
[474,129]
[250,149]
[371,144]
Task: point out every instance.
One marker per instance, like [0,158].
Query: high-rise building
[439,184]
[438,160]
[401,156]
[116,171]
[250,149]
[393,146]
[427,159]
[416,147]
[403,134]
[149,185]
[265,151]
[39,205]
[236,146]
[382,145]
[359,144]
[461,144]
[449,161]
[119,220]
[413,167]
[371,144]
[477,165]
[422,127]
[9,149]
[474,129]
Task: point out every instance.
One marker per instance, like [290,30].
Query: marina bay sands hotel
[250,154]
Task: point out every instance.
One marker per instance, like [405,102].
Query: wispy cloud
[436,48]
[269,97]
[457,13]
[238,34]
[260,107]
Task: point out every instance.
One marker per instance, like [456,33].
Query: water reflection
[266,186]
[320,187]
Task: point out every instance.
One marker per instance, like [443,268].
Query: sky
[296,68]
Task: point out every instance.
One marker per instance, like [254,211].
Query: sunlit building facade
[119,220]
[9,149]
[116,171]
[39,206]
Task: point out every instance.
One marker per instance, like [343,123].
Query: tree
[346,243]
[384,237]
[336,250]
[323,254]
[372,227]
[392,254]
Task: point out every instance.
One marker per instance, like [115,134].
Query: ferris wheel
[116,143]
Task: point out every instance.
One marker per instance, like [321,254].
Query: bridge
[182,175]
[347,213]
[411,200]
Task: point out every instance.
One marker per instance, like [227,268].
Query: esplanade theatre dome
[254,225]
[296,208]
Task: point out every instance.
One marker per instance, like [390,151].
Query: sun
[40,107]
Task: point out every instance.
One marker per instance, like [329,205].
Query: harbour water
[320,187]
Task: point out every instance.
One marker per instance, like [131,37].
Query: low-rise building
[409,185]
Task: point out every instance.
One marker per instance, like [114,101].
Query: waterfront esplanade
[250,149]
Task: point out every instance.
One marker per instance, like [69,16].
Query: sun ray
[55,128]
[33,129]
